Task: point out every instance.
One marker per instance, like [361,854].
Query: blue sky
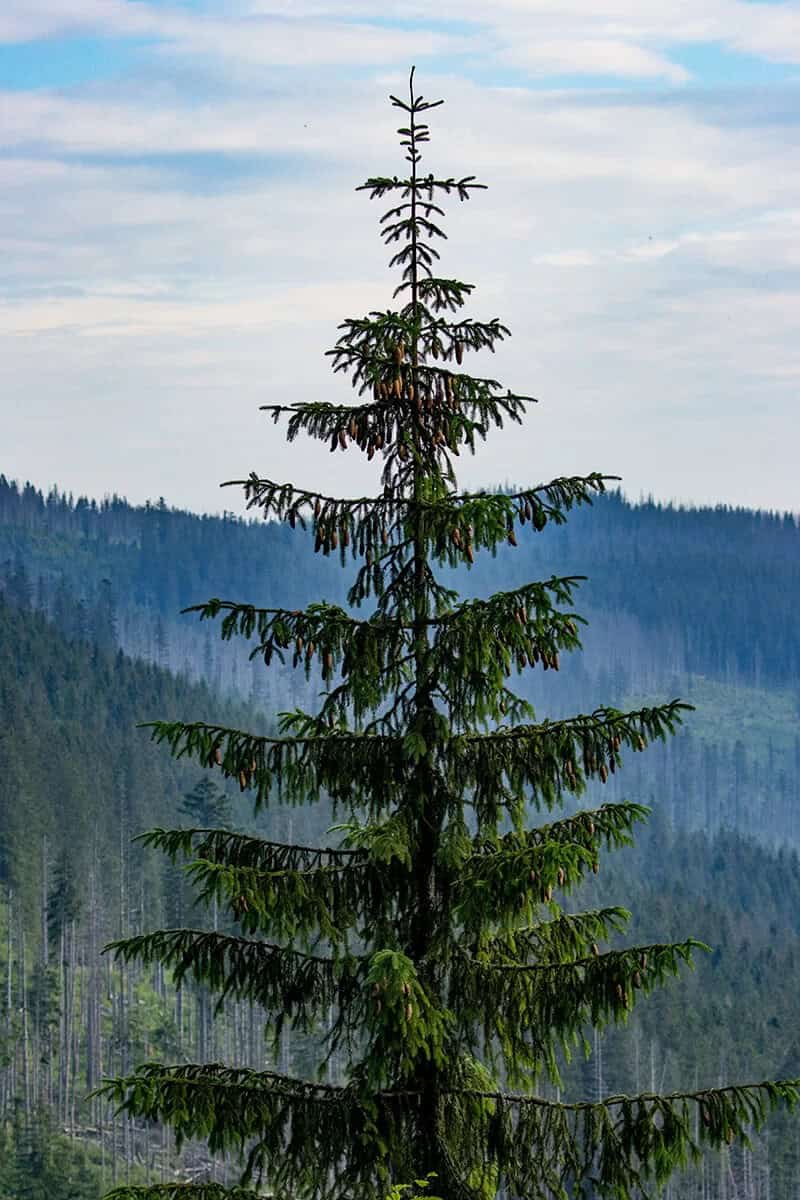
[69,57]
[180,235]
[65,62]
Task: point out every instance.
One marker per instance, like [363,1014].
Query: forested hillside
[78,781]
[671,590]
[697,603]
[77,775]
[72,881]
[700,603]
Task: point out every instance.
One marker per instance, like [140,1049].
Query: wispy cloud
[22,22]
[177,243]
[592,56]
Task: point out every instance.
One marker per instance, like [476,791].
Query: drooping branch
[283,980]
[285,1128]
[500,772]
[334,904]
[531,604]
[524,1012]
[367,353]
[533,1146]
[461,407]
[616,1148]
[456,523]
[294,988]
[564,938]
[510,877]
[241,850]
[371,342]
[610,824]
[473,647]
[512,768]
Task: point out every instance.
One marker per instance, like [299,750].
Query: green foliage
[64,900]
[207,805]
[36,1163]
[501,771]
[435,932]
[59,702]
[401,1191]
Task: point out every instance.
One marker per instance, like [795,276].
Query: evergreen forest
[84,661]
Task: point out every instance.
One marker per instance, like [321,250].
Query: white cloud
[304,42]
[567,258]
[591,56]
[28,20]
[640,30]
[644,252]
[773,32]
[626,38]
[139,310]
[764,244]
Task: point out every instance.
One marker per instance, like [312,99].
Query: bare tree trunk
[9,1073]
[179,1019]
[62,1026]
[23,1005]
[92,996]
[77,983]
[43,1016]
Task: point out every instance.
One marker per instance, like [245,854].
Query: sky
[180,234]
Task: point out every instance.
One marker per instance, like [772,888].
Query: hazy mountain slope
[708,591]
[700,603]
[77,779]
[74,767]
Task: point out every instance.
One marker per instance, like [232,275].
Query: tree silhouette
[433,930]
[207,805]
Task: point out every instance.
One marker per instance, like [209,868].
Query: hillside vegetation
[88,630]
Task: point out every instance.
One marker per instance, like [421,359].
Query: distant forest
[697,603]
[673,590]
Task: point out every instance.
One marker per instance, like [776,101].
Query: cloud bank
[180,235]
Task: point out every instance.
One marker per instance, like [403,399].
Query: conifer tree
[207,805]
[433,929]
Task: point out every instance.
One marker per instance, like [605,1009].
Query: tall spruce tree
[433,930]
